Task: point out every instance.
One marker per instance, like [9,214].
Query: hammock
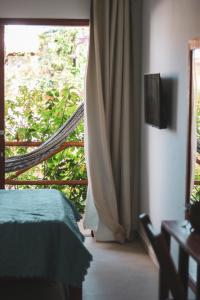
[47,148]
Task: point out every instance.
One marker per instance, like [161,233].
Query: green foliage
[195,197]
[40,102]
[196,190]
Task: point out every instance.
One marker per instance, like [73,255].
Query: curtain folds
[108,113]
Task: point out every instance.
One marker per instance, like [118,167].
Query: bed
[40,239]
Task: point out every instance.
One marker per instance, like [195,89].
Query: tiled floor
[120,272]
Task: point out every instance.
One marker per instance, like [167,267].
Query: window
[51,33]
[193,162]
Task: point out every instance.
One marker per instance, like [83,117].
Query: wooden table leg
[163,280]
[198,283]
[183,266]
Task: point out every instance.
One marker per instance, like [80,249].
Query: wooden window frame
[24,21]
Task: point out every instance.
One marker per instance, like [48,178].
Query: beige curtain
[109,97]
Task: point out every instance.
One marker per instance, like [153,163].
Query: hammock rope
[47,148]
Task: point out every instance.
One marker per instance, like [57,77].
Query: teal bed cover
[39,237]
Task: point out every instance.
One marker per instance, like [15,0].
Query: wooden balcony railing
[13,181]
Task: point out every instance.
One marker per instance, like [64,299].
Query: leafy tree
[43,89]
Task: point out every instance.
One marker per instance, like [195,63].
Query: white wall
[60,9]
[167,27]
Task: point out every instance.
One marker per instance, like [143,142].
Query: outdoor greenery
[195,197]
[43,89]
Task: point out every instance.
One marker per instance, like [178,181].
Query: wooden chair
[171,280]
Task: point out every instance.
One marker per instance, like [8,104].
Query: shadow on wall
[170,96]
